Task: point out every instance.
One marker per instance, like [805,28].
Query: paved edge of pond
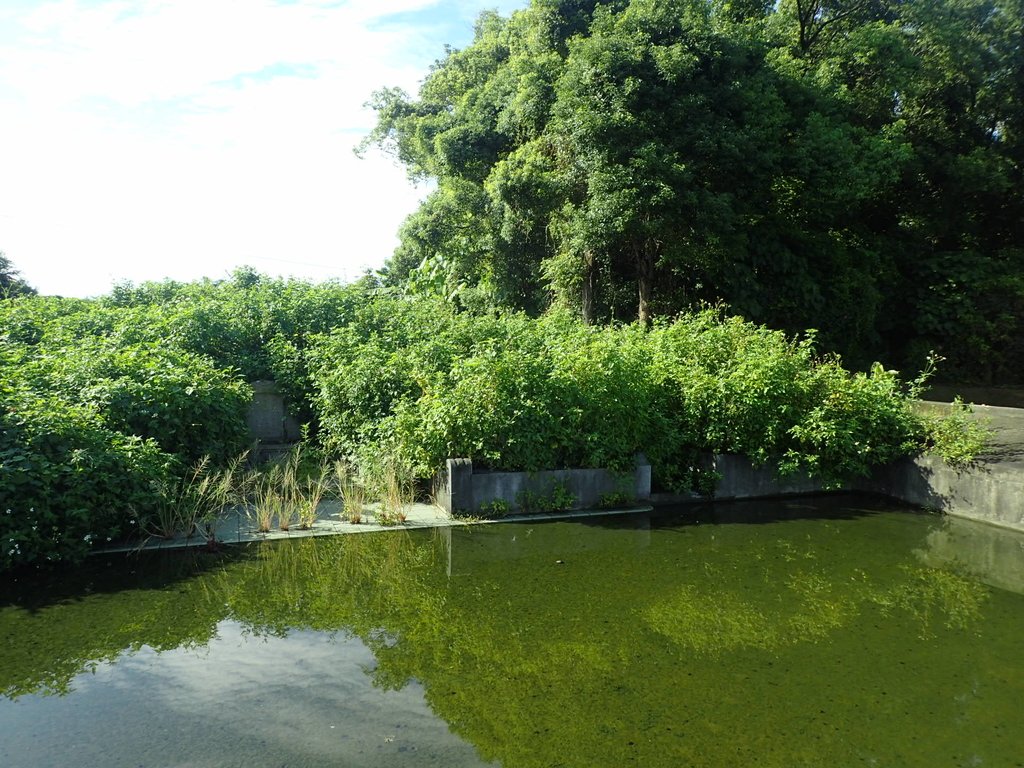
[1005,395]
[990,491]
[237,527]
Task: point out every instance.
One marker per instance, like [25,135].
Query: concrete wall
[269,421]
[993,493]
[742,480]
[461,489]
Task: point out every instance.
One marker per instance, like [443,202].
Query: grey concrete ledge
[237,526]
[991,491]
[461,488]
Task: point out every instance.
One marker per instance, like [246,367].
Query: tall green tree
[946,76]
[848,165]
[11,283]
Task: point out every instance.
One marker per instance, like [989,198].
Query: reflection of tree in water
[560,666]
[54,629]
[809,609]
[729,644]
[388,590]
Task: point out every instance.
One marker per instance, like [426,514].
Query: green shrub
[67,481]
[853,422]
[393,351]
[139,385]
[956,437]
[234,321]
[180,400]
[418,380]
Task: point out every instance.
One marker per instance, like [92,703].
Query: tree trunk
[644,255]
[587,295]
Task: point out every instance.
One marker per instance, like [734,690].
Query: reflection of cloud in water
[302,701]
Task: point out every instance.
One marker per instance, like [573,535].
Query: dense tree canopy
[11,283]
[849,165]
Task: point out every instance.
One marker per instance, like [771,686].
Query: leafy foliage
[109,406]
[180,400]
[853,167]
[421,381]
[956,437]
[66,480]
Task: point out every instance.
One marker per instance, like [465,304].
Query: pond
[833,631]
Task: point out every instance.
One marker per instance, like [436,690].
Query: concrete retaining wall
[459,488]
[742,480]
[993,492]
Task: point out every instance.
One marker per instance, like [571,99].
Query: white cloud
[152,138]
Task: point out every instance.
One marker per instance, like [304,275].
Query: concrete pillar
[454,487]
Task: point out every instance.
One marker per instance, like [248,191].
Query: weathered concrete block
[461,489]
[268,418]
[993,493]
[461,473]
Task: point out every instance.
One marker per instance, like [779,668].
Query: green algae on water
[834,632]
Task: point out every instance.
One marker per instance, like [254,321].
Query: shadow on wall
[910,481]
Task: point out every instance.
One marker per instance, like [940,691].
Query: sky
[151,139]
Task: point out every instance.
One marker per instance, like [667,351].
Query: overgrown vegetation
[419,380]
[120,416]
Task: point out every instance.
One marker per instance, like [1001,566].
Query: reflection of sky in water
[242,700]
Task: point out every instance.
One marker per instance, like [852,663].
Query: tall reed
[351,492]
[289,491]
[193,500]
[264,497]
[313,488]
[397,490]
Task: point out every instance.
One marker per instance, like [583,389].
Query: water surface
[814,632]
